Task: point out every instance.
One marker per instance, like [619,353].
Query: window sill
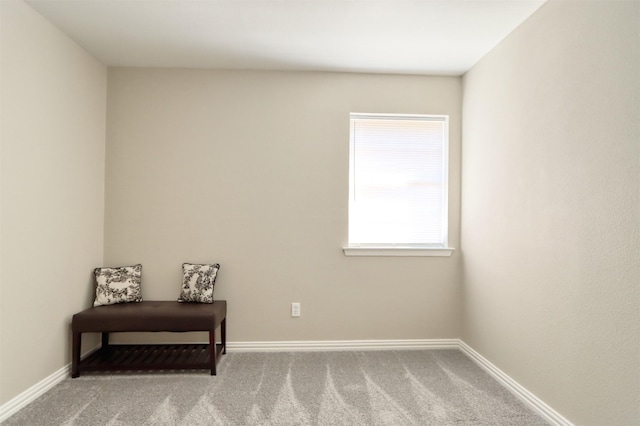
[397,251]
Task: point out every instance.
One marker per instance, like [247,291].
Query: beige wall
[250,169]
[551,209]
[53,133]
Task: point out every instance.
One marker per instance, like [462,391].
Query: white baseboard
[14,405]
[17,403]
[532,401]
[553,417]
[342,345]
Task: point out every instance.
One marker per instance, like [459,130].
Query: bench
[150,316]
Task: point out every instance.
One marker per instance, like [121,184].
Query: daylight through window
[398,181]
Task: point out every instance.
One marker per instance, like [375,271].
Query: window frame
[391,249]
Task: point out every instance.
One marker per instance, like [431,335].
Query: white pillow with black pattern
[197,282]
[118,285]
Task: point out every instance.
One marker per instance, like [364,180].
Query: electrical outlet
[295,309]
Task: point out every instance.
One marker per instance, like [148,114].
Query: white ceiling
[445,37]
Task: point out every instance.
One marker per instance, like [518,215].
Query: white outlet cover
[295,309]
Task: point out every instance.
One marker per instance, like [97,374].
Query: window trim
[437,250]
[379,250]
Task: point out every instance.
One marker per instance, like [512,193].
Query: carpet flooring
[421,387]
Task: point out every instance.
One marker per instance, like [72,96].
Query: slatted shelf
[149,357]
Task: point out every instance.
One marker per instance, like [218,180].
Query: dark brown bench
[153,317]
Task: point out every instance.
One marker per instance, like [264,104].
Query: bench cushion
[151,316]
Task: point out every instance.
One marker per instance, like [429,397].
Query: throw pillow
[118,285]
[197,282]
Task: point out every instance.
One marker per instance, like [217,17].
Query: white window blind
[398,181]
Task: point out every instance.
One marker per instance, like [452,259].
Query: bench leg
[75,354]
[105,340]
[223,335]
[212,351]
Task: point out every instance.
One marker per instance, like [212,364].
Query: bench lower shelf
[150,357]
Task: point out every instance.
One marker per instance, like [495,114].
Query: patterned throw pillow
[197,282]
[118,285]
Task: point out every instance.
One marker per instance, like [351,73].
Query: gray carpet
[436,387]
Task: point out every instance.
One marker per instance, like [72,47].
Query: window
[398,169]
